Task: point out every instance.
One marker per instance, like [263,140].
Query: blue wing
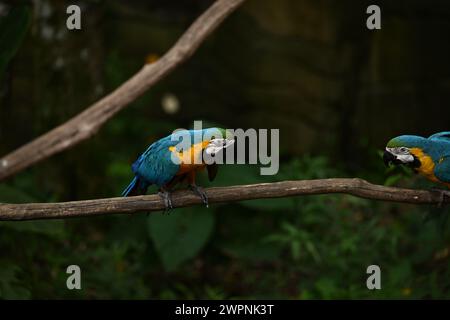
[442,170]
[440,136]
[155,165]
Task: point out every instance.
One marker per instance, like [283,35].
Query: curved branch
[87,123]
[356,187]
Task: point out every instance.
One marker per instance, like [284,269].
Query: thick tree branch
[356,187]
[87,123]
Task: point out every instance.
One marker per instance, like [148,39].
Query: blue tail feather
[135,188]
[130,187]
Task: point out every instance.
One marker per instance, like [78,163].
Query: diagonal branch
[356,187]
[87,123]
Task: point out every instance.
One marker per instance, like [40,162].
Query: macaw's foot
[165,195]
[199,191]
[442,195]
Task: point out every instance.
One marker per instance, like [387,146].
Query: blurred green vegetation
[296,248]
[315,247]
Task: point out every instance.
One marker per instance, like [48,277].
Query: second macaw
[157,166]
[429,157]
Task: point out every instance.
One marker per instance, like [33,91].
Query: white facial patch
[216,145]
[402,154]
[405,158]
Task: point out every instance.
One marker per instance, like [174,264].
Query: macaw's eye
[403,149]
[213,137]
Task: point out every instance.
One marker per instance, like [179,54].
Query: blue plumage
[156,166]
[432,154]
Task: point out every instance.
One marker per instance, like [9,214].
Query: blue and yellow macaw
[429,157]
[157,166]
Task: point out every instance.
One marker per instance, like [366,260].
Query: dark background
[336,90]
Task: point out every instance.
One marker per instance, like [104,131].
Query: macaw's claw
[442,195]
[199,191]
[165,195]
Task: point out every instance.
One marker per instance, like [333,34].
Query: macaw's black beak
[389,158]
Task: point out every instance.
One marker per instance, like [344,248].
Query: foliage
[13,28]
[314,247]
[180,236]
[304,247]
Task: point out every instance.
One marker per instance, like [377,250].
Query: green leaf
[13,28]
[10,286]
[327,288]
[12,195]
[392,180]
[240,174]
[180,235]
[255,251]
[54,228]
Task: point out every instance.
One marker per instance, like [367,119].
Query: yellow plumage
[427,165]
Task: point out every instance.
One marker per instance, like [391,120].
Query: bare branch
[356,187]
[87,123]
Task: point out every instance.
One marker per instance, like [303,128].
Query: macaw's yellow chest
[427,164]
[190,159]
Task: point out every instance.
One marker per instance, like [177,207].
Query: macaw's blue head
[404,150]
